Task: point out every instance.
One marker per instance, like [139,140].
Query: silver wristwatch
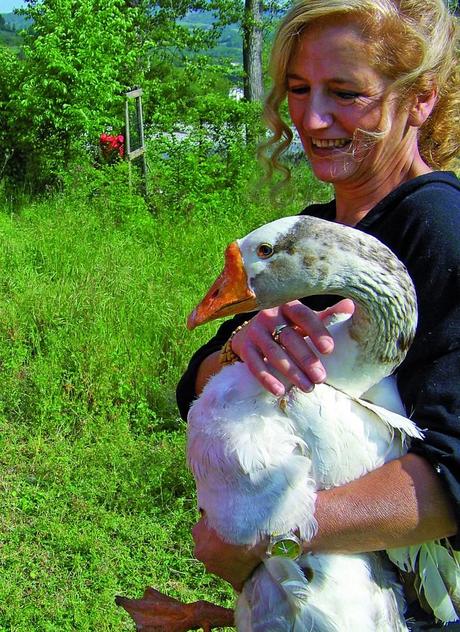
[285,545]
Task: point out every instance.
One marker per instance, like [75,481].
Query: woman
[373,90]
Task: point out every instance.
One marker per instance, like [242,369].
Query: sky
[6,6]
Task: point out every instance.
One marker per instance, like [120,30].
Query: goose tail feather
[272,598]
[437,571]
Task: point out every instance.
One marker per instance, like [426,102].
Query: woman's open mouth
[329,143]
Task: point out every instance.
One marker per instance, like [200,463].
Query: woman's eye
[347,96]
[264,251]
[299,90]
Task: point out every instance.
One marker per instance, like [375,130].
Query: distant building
[236,93]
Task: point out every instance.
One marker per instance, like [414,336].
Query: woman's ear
[422,107]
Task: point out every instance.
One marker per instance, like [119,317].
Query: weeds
[94,291]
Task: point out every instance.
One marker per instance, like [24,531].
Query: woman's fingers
[259,345]
[303,355]
[345,306]
[264,349]
[256,345]
[232,562]
[309,323]
[280,360]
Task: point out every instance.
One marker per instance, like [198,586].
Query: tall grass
[94,290]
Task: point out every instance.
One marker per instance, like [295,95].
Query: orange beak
[229,294]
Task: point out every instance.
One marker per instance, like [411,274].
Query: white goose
[258,462]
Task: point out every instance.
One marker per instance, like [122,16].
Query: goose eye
[265,250]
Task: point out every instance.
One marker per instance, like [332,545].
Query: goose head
[301,256]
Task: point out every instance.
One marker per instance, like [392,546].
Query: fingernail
[278,391]
[306,386]
[317,375]
[325,344]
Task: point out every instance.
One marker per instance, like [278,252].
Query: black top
[420,223]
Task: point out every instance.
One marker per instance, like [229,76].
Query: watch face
[287,548]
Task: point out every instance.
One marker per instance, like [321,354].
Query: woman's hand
[231,562]
[291,356]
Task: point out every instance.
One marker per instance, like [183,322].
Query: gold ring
[277,331]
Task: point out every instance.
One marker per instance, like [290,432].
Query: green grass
[94,291]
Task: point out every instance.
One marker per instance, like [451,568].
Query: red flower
[111,145]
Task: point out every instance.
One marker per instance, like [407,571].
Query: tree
[256,18]
[252,50]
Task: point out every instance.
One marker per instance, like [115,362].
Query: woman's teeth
[330,142]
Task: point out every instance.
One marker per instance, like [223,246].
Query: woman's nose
[317,114]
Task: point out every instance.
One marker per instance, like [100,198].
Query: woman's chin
[333,170]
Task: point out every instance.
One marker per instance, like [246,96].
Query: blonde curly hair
[414,43]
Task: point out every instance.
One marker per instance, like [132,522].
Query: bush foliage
[67,84]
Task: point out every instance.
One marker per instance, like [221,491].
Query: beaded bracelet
[227,355]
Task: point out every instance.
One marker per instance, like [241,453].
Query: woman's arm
[209,367]
[401,503]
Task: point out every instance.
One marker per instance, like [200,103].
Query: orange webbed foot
[156,612]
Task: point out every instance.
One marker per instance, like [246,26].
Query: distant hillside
[10,26]
[16,22]
[229,46]
[230,43]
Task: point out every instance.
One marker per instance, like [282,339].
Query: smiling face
[333,93]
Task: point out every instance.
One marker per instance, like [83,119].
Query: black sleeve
[429,378]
